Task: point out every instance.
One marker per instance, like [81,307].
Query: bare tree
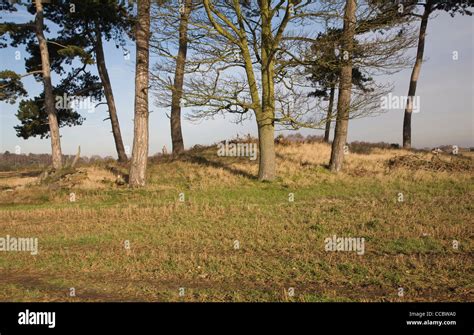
[138,165]
[248,53]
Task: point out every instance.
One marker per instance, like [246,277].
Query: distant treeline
[11,161]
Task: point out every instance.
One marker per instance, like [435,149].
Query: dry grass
[97,178]
[12,180]
[190,244]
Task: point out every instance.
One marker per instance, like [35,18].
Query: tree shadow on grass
[206,162]
[301,163]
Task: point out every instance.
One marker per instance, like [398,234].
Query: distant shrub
[366,148]
[297,138]
[11,162]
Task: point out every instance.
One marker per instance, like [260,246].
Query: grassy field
[236,239]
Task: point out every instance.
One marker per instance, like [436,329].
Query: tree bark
[329,115]
[345,86]
[266,144]
[138,165]
[266,117]
[177,94]
[48,89]
[109,96]
[415,74]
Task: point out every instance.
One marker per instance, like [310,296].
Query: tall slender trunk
[138,165]
[329,115]
[109,96]
[345,86]
[177,94]
[266,117]
[415,75]
[48,89]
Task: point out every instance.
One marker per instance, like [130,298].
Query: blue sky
[446,89]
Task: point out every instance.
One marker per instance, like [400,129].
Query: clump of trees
[287,64]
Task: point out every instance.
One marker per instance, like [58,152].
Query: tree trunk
[48,89]
[266,144]
[266,116]
[138,165]
[415,75]
[345,86]
[177,94]
[329,115]
[109,96]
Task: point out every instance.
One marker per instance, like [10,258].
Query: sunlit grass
[191,244]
